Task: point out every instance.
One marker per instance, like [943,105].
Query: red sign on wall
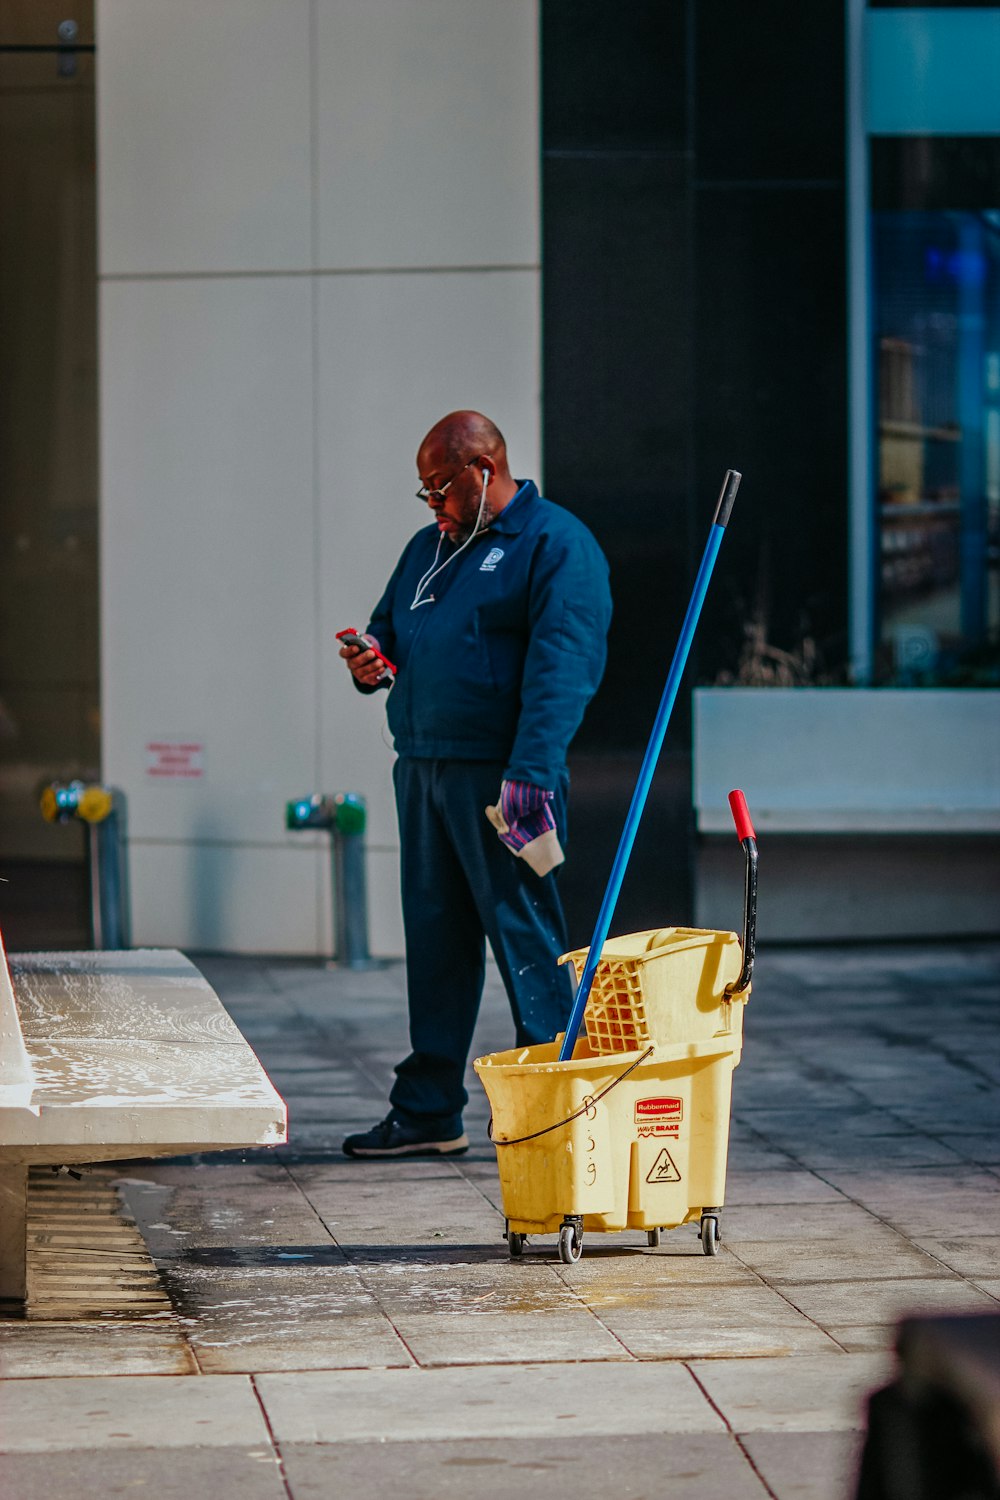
[175,759]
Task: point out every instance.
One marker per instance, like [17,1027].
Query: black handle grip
[727,497]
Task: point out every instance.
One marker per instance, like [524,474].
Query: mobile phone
[352,638]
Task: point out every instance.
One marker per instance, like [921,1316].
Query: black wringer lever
[747,837]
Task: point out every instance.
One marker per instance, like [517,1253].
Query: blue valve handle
[730,485]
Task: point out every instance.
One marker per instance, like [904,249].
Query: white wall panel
[427,132]
[203,135]
[229,560]
[378,396]
[224,899]
[207,549]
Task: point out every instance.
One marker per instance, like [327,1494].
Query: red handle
[741,816]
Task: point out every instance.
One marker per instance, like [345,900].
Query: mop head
[525,822]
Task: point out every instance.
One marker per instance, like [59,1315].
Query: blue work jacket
[503,662]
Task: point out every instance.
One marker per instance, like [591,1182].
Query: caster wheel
[570,1244]
[515,1244]
[653,1238]
[710,1234]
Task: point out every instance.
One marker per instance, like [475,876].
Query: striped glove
[525,822]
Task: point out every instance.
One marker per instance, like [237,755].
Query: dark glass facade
[694,319]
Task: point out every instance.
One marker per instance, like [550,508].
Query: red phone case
[359,640]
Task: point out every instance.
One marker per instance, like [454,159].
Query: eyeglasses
[425,494]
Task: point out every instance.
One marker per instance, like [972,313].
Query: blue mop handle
[723,510]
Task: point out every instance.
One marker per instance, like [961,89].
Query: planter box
[849,760]
[878,811]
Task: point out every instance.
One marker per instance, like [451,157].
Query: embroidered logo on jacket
[489,562]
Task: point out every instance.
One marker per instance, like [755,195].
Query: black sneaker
[395,1137]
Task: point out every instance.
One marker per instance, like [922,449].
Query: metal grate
[86,1258]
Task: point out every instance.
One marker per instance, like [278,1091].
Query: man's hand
[364,666]
[525,822]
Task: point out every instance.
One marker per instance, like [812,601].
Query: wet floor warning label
[664,1169]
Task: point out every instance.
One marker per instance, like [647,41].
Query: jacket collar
[514,515]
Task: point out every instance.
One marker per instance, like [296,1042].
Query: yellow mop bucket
[632,1131]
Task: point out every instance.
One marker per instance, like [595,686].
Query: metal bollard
[350,886]
[344,816]
[103,810]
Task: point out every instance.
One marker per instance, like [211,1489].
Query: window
[936,309]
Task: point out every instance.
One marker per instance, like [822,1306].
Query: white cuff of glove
[543,854]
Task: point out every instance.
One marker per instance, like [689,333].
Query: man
[496,619]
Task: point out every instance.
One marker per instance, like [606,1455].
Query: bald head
[464,456]
[466,434]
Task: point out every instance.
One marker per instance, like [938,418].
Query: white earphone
[420,597]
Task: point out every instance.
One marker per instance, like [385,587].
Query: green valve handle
[350,816]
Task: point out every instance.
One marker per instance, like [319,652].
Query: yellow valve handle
[49,805]
[94,804]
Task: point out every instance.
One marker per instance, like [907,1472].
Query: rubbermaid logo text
[663,1107]
[660,1115]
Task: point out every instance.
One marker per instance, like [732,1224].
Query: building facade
[652,242]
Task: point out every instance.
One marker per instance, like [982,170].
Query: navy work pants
[461,885]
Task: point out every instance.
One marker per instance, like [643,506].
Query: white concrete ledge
[130,1054]
[849,760]
[15,1069]
[107,1056]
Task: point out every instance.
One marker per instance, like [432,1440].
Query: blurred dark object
[44,904]
[934,1433]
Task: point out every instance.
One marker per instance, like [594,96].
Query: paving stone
[217,1211]
[319,1345]
[825,1393]
[284,1315]
[508,1338]
[567,1401]
[797,1122]
[777,1188]
[685,1466]
[757,1089]
[879,1254]
[875,1338]
[800,1222]
[913,1149]
[972,1113]
[611,1271]
[219,1173]
[866,1302]
[171,1411]
[467,1291]
[740,1320]
[983,1149]
[168,1473]
[342,1171]
[452,1210]
[928,1202]
[807,1465]
[749,1153]
[155,1346]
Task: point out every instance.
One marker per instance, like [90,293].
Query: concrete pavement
[349,1324]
